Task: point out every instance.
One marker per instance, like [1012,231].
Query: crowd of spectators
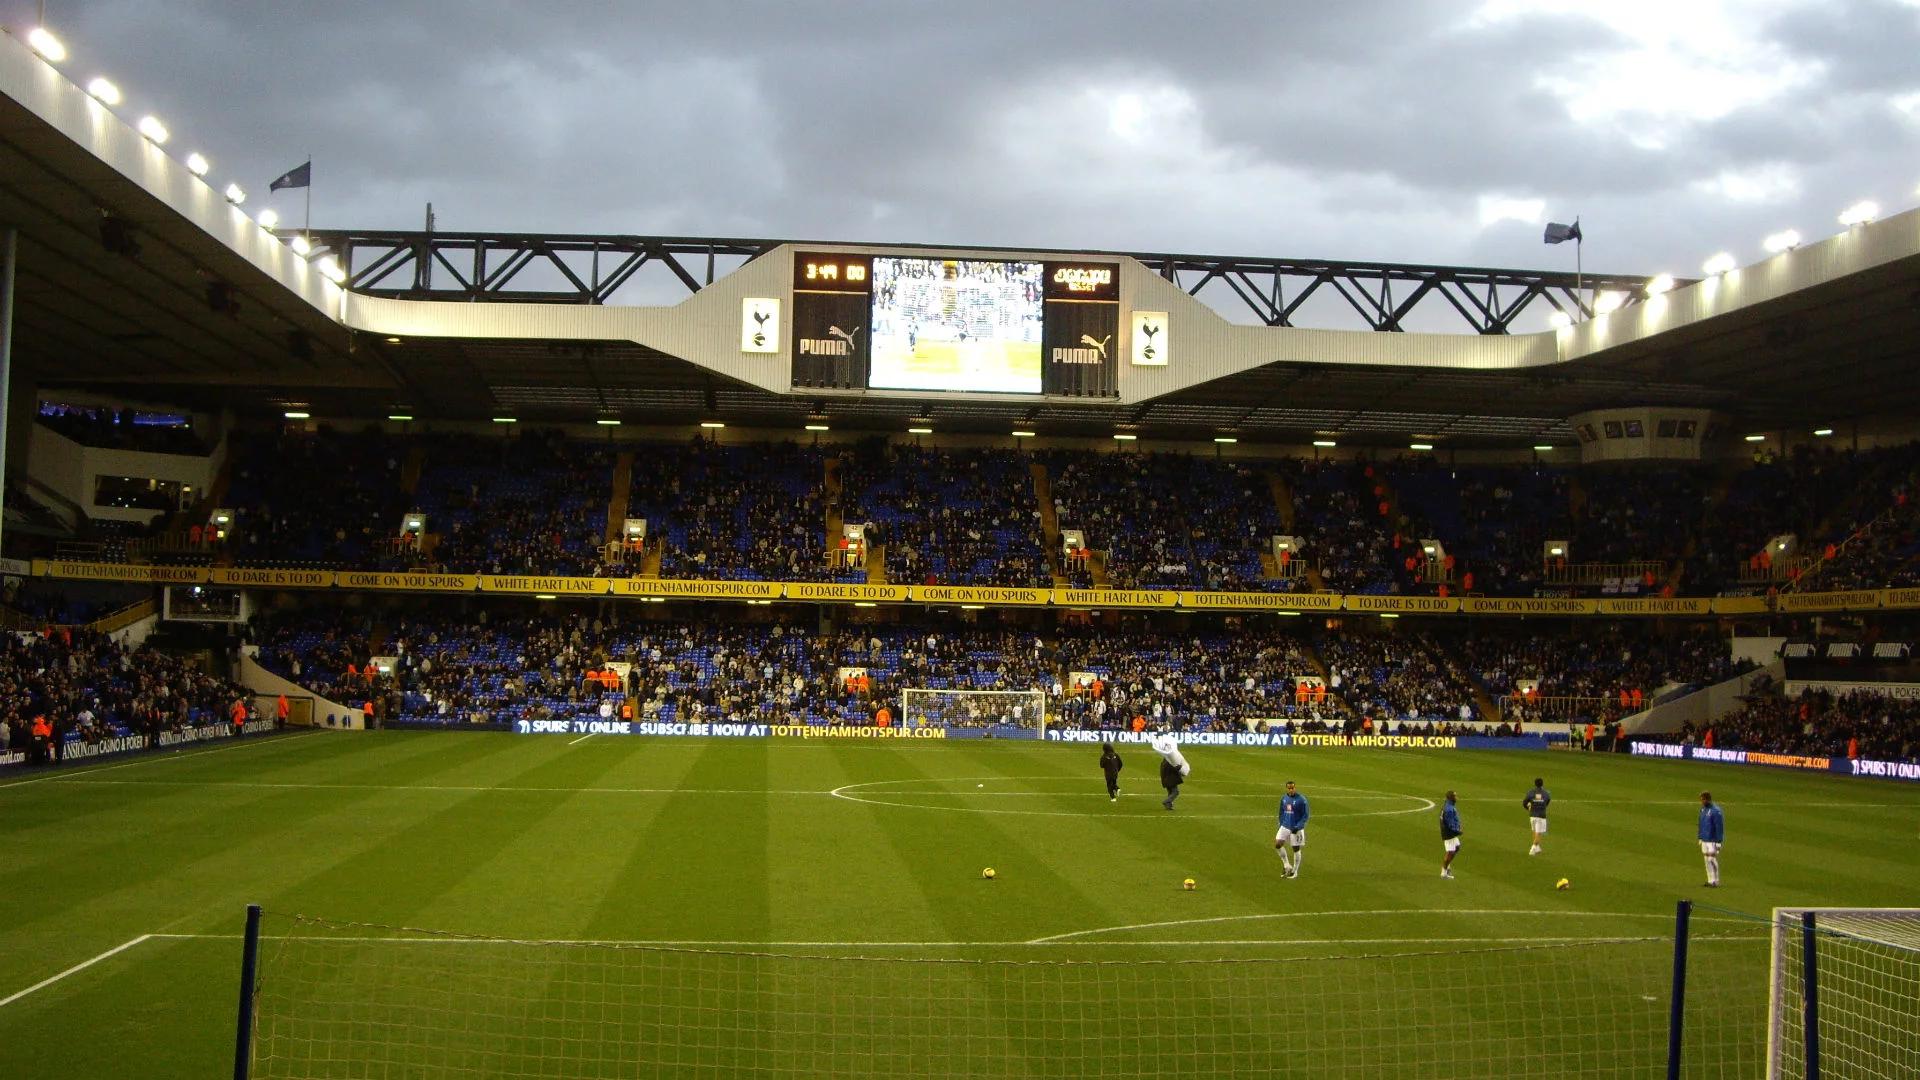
[123,429]
[1184,681]
[447,667]
[1859,724]
[537,503]
[949,517]
[324,498]
[88,687]
[1399,677]
[1168,521]
[1360,539]
[1593,670]
[736,512]
[533,504]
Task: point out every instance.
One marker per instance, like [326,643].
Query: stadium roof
[1834,348]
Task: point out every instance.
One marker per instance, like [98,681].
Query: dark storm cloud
[1364,129]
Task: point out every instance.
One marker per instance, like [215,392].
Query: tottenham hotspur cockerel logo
[760,327]
[1151,331]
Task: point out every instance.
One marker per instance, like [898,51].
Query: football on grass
[987,873]
[1189,885]
[1563,884]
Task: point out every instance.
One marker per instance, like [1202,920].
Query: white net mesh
[999,711]
[344,1000]
[1867,980]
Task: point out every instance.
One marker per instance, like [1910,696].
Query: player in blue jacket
[1713,831]
[1449,834]
[1293,831]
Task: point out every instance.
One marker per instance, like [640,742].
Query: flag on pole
[298,176]
[1556,232]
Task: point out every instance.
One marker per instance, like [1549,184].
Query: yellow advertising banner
[1527,605]
[1143,598]
[697,590]
[1740,605]
[977,594]
[104,571]
[1260,601]
[356,579]
[558,586]
[1656,605]
[269,578]
[1852,600]
[810,590]
[1900,598]
[1411,605]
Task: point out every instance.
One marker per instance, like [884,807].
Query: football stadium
[537,655]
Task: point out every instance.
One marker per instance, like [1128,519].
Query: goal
[323,1000]
[1844,993]
[996,712]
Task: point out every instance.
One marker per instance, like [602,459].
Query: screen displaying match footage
[956,324]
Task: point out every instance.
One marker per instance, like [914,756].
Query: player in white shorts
[1536,804]
[1293,831]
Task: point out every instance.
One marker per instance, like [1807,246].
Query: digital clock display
[832,273]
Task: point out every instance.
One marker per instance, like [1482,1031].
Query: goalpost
[1844,995]
[991,710]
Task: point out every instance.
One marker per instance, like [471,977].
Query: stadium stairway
[1049,523]
[622,493]
[1723,479]
[411,469]
[1282,499]
[836,517]
[1097,566]
[1483,700]
[1319,665]
[877,563]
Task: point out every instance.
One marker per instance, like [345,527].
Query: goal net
[354,1000]
[999,712]
[1845,994]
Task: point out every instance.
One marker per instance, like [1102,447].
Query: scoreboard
[936,323]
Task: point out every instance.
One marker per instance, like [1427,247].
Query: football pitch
[490,904]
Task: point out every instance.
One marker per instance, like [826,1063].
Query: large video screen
[956,324]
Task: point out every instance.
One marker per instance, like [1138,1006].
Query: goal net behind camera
[1000,712]
[352,1000]
[1865,993]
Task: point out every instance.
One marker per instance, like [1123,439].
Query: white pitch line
[1051,938]
[1042,943]
[79,967]
[148,757]
[583,738]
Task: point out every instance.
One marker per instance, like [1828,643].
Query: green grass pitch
[826,849]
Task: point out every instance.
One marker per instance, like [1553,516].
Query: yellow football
[987,873]
[1563,884]
[1189,885]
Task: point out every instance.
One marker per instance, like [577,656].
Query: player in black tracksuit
[1111,765]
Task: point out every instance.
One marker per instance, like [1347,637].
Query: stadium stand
[949,517]
[91,687]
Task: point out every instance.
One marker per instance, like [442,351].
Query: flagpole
[1579,276]
[309,226]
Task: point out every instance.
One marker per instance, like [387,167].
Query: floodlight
[42,41]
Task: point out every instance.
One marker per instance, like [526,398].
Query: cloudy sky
[1441,132]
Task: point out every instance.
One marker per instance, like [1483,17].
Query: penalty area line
[75,969]
[1170,943]
[583,738]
